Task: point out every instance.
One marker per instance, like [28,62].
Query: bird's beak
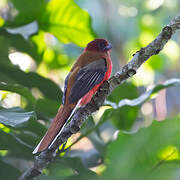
[108,47]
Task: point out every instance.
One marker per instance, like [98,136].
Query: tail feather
[61,117]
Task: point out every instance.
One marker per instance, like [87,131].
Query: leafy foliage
[67,22]
[112,142]
[15,116]
[16,42]
[145,159]
[14,75]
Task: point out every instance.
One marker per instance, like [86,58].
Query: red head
[100,45]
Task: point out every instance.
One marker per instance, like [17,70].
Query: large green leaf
[27,11]
[19,119]
[25,131]
[64,19]
[67,21]
[15,117]
[140,155]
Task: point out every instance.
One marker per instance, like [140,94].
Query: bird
[90,70]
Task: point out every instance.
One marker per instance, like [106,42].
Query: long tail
[61,117]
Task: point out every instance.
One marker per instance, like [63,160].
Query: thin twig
[47,156]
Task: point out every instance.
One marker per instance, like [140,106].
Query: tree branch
[44,158]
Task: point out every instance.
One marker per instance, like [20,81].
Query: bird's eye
[102,45]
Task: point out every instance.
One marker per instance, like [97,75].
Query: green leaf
[139,156]
[15,117]
[67,21]
[27,11]
[8,172]
[11,74]
[25,131]
[23,91]
[19,119]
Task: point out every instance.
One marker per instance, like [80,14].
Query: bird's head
[98,45]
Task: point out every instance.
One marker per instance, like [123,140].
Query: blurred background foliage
[125,139]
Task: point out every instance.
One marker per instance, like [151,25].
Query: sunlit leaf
[67,21]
